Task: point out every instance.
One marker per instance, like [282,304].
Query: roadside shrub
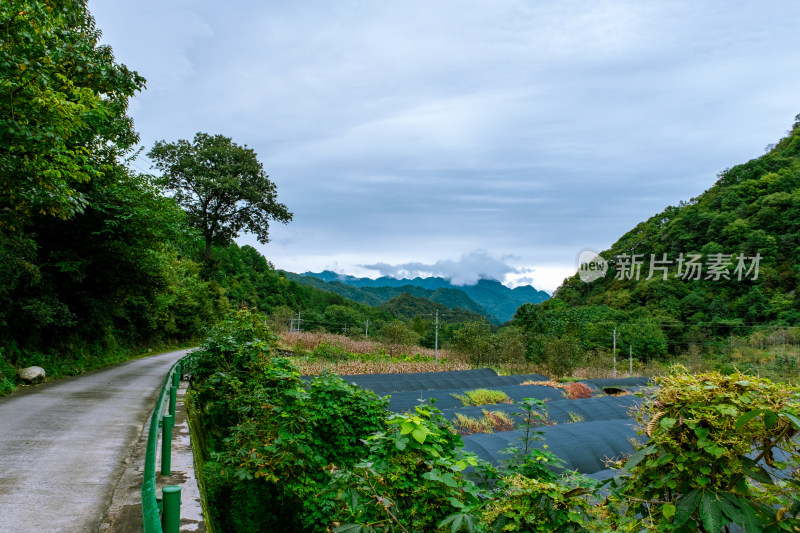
[532,505]
[412,479]
[713,457]
[329,351]
[271,440]
[482,397]
[8,376]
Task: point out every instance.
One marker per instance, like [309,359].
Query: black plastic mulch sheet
[459,379]
[563,411]
[405,401]
[625,384]
[585,447]
[392,382]
[478,372]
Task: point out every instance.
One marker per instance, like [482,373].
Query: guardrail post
[166,445]
[176,377]
[171,518]
[173,400]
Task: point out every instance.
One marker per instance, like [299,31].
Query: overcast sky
[464,138]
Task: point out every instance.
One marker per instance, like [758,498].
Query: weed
[571,390]
[482,397]
[466,425]
[490,422]
[576,391]
[575,417]
[499,420]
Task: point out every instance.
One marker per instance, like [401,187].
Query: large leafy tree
[222,187]
[63,102]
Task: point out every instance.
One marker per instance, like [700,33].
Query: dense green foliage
[717,447]
[409,306]
[326,456]
[268,435]
[484,347]
[63,102]
[94,260]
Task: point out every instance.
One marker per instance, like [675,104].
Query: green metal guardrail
[152,519]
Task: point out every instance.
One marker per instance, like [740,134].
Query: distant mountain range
[489,298]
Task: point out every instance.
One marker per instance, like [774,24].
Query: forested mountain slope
[449,297]
[487,297]
[730,256]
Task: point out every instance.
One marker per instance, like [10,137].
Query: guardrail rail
[162,516]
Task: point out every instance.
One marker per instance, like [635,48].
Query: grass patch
[482,397]
[490,422]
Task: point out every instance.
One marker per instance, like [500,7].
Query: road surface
[63,444]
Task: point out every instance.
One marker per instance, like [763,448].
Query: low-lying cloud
[467,270]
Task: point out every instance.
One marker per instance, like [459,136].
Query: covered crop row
[563,411]
[459,379]
[586,447]
[588,432]
[405,401]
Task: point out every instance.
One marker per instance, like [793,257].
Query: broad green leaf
[755,471]
[747,417]
[770,418]
[667,422]
[711,512]
[668,511]
[730,507]
[419,435]
[455,503]
[701,432]
[686,506]
[637,457]
[747,518]
[353,500]
[457,521]
[350,528]
[795,420]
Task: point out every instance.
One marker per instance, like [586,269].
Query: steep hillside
[730,256]
[493,299]
[407,306]
[376,295]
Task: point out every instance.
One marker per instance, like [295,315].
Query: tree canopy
[222,187]
[63,102]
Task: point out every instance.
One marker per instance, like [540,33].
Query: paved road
[63,444]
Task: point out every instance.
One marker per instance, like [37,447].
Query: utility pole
[344,329]
[630,360]
[366,331]
[614,351]
[436,341]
